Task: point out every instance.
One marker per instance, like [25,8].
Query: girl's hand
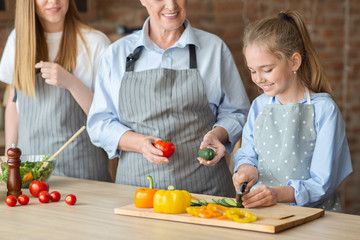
[55,75]
[245,173]
[261,196]
[151,153]
[211,141]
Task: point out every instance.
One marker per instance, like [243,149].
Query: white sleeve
[8,60]
[97,51]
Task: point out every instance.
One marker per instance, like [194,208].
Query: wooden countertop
[92,217]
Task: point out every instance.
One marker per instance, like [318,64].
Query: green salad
[30,171]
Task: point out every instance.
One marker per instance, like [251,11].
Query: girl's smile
[273,74]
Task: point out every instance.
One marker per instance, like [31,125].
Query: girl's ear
[142,3]
[295,61]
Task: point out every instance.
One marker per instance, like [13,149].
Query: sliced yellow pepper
[240,215]
[193,211]
[171,201]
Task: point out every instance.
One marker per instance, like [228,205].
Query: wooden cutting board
[270,219]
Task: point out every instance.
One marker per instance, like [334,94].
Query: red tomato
[166,147]
[37,186]
[70,199]
[55,196]
[44,197]
[10,201]
[23,199]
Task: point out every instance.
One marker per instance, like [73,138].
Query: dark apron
[170,104]
[48,121]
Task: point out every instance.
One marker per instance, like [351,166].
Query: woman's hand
[151,153]
[212,141]
[55,75]
[245,173]
[144,144]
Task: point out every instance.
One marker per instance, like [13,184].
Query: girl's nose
[257,78]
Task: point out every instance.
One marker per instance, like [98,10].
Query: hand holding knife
[241,193]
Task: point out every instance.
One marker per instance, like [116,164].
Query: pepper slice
[144,196]
[204,213]
[27,177]
[214,210]
[240,215]
[193,211]
[209,211]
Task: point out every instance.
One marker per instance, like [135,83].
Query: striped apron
[48,121]
[170,104]
[284,139]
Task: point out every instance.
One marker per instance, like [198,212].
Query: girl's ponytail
[311,70]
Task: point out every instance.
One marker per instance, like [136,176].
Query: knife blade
[241,193]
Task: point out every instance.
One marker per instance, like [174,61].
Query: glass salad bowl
[32,167]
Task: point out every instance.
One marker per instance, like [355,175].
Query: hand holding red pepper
[144,196]
[166,147]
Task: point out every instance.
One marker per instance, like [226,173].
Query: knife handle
[243,187]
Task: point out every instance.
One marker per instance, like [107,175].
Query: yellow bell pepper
[171,201]
[240,215]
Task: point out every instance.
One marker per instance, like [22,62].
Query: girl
[51,67]
[294,149]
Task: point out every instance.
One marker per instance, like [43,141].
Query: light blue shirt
[224,88]
[331,162]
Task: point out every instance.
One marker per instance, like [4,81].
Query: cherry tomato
[166,147]
[55,196]
[10,200]
[37,186]
[23,199]
[70,199]
[44,197]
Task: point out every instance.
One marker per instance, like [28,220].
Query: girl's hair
[31,46]
[285,35]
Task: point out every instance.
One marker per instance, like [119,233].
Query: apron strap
[15,96]
[308,99]
[192,59]
[130,60]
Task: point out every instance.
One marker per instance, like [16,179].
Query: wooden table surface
[92,217]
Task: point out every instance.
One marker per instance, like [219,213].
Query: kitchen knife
[241,193]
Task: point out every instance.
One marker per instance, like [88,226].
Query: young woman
[294,148]
[50,60]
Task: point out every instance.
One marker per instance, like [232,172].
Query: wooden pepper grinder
[14,179]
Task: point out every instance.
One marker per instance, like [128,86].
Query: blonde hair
[31,46]
[283,36]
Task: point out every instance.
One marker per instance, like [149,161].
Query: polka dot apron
[284,137]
